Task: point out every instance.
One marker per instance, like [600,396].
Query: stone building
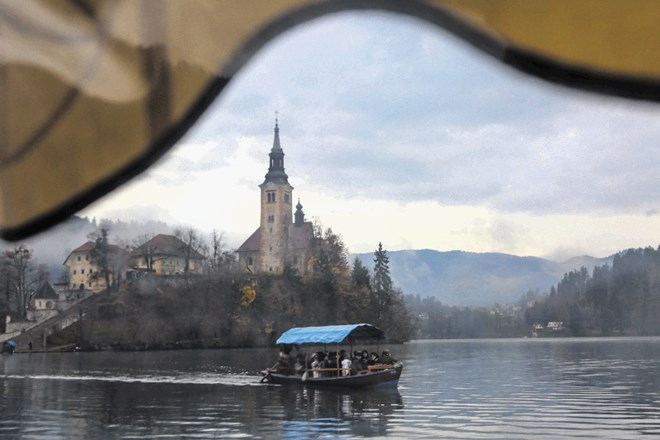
[167,255]
[84,272]
[281,241]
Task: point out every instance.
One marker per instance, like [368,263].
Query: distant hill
[468,278]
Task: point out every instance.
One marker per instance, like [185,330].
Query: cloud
[392,112]
[398,132]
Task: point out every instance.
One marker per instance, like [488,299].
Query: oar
[268,374]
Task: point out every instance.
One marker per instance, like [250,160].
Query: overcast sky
[395,131]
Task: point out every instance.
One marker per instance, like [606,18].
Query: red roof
[85,247]
[301,236]
[167,245]
[252,243]
[90,245]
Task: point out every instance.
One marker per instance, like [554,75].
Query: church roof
[276,172]
[46,291]
[301,235]
[252,243]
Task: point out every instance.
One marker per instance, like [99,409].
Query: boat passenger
[373,359]
[284,362]
[315,365]
[331,362]
[299,364]
[365,355]
[386,358]
[345,364]
[358,364]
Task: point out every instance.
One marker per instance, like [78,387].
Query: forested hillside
[621,299]
[226,309]
[618,299]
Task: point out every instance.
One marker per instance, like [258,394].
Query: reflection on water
[509,389]
[304,412]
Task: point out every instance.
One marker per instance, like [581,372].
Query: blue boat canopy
[330,334]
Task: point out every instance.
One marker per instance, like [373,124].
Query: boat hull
[382,378]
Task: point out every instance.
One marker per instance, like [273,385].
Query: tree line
[623,299]
[221,306]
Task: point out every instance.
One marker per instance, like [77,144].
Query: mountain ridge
[476,279]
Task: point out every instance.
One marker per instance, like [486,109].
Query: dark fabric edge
[542,67]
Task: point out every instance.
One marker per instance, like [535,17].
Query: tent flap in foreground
[93,93]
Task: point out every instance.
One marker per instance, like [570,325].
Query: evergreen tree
[359,299]
[382,284]
[360,274]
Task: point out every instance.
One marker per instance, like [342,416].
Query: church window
[250,261]
[286,197]
[270,196]
[74,271]
[78,257]
[271,218]
[86,257]
[82,271]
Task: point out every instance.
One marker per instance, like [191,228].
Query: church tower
[276,211]
[279,243]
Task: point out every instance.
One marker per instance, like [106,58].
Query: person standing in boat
[345,364]
[284,362]
[315,365]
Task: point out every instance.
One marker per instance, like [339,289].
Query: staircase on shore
[38,333]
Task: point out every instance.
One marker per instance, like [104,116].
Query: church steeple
[299,214]
[276,172]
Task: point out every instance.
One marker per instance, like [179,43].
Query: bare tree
[111,260]
[193,245]
[19,265]
[147,251]
[216,250]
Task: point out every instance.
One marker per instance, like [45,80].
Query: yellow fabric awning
[93,92]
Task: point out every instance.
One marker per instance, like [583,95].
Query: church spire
[299,215]
[276,140]
[276,172]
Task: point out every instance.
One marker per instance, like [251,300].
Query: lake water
[495,389]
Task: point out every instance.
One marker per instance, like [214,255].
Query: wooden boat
[376,375]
